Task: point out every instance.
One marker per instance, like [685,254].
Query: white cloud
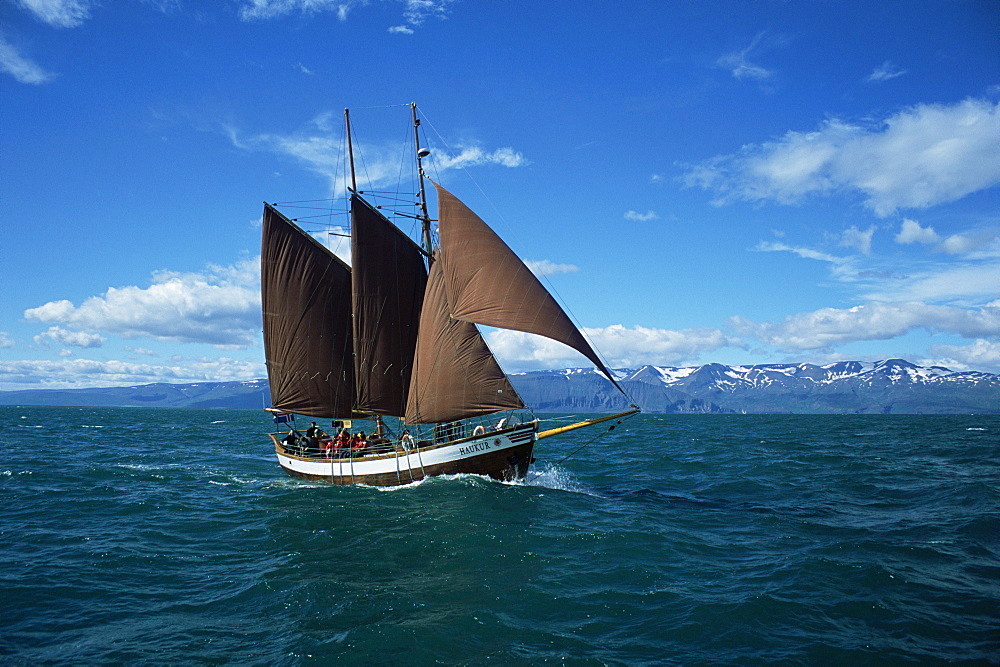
[619,345]
[857,239]
[829,327]
[965,282]
[62,336]
[79,373]
[885,72]
[5,340]
[911,232]
[474,156]
[59,13]
[963,244]
[956,244]
[267,9]
[22,69]
[415,12]
[321,149]
[641,217]
[220,307]
[841,267]
[544,267]
[922,156]
[739,65]
[337,240]
[981,354]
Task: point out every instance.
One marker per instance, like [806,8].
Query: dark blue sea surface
[172,536]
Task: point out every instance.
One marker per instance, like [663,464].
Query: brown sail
[306,300]
[389,278]
[488,284]
[455,375]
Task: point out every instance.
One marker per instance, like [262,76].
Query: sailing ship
[392,341]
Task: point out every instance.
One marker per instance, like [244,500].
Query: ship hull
[503,455]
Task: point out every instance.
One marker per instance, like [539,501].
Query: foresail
[488,284]
[306,300]
[389,278]
[455,376]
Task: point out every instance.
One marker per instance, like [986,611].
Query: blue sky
[737,182]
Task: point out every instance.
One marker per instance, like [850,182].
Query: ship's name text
[477,447]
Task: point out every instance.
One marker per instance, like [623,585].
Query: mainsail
[389,278]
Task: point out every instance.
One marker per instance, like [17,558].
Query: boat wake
[553,477]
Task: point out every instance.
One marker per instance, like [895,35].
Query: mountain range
[883,387]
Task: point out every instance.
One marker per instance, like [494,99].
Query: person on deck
[358,443]
[291,441]
[406,440]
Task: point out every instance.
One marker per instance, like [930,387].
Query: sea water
[172,536]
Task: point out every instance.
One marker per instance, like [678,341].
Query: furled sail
[488,284]
[389,278]
[306,299]
[455,375]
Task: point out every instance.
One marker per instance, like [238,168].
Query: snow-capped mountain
[891,386]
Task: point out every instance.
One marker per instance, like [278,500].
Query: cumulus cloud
[641,217]
[922,156]
[220,307]
[885,72]
[910,231]
[5,340]
[78,373]
[544,267]
[957,244]
[61,336]
[828,327]
[19,67]
[621,346]
[858,239]
[980,354]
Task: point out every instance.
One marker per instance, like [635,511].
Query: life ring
[407,442]
[479,430]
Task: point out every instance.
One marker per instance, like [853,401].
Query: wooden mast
[350,150]
[425,219]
